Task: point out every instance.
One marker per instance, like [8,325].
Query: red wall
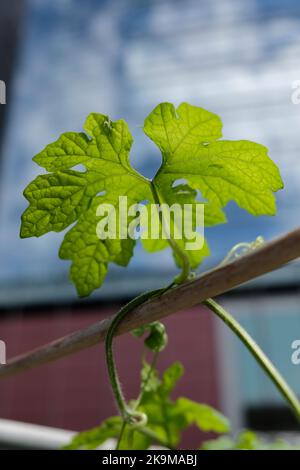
[73,393]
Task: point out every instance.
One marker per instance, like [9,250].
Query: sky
[235,58]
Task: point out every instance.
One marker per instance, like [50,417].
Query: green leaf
[168,418]
[157,338]
[221,443]
[204,416]
[89,254]
[181,131]
[171,377]
[56,200]
[65,196]
[158,406]
[214,172]
[222,170]
[93,438]
[246,440]
[149,378]
[133,439]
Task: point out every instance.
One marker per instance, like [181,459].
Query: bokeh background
[62,59]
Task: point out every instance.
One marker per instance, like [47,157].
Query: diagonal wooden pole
[269,256]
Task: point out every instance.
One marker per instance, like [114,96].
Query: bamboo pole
[268,257]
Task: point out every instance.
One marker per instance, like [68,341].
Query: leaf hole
[179,182]
[199,196]
[80,168]
[101,193]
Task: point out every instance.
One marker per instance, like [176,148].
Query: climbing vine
[199,169]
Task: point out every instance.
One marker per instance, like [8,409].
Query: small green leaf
[246,440]
[149,378]
[157,338]
[221,443]
[168,418]
[204,416]
[133,439]
[93,438]
[171,377]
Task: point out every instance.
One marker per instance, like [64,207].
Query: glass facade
[236,58]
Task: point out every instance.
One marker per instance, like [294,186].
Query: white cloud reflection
[122,58]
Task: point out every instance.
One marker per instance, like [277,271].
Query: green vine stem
[257,353]
[123,427]
[147,432]
[125,412]
[130,415]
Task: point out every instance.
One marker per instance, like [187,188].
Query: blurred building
[63,59]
